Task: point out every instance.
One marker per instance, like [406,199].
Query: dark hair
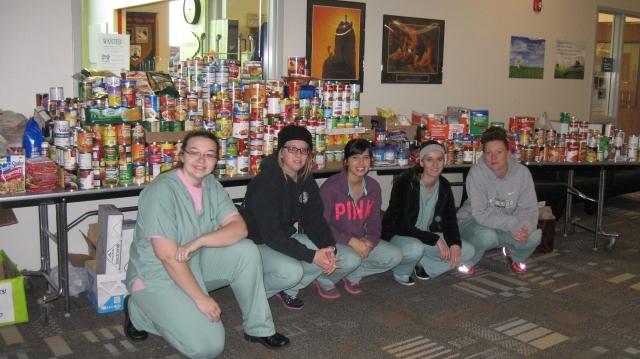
[356,146]
[432,142]
[495,134]
[193,134]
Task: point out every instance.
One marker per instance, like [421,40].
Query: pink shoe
[467,270]
[326,293]
[351,288]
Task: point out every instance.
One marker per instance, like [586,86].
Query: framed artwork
[141,26]
[412,50]
[335,40]
[526,59]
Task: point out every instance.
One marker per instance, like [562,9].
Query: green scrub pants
[414,252]
[284,273]
[165,309]
[484,238]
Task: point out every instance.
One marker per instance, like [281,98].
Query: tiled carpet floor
[573,303]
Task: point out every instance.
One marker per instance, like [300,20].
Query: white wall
[476,54]
[36,39]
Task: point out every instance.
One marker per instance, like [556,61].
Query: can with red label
[573,148]
[128,93]
[85,179]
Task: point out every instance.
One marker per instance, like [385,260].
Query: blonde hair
[304,172]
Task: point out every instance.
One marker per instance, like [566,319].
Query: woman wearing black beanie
[283,211]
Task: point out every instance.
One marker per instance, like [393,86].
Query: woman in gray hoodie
[502,208]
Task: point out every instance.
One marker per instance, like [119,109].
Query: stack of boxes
[108,270]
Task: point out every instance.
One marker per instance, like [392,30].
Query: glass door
[629,108]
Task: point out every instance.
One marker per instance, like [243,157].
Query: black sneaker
[290,302]
[420,273]
[408,283]
[129,330]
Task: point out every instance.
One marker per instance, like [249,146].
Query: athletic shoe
[517,267]
[289,301]
[468,270]
[420,273]
[407,283]
[326,293]
[351,288]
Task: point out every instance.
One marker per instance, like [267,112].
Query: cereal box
[12,174]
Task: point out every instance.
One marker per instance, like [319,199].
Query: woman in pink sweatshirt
[352,209]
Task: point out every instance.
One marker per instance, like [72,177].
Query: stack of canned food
[98,139]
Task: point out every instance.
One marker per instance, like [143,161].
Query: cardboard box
[128,227]
[106,291]
[109,245]
[12,174]
[91,237]
[479,122]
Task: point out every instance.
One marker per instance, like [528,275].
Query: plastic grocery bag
[32,138]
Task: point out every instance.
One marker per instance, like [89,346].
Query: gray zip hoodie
[507,203]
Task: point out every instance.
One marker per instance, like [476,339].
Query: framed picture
[335,40]
[412,50]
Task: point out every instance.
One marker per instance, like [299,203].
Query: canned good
[110,175]
[111,154]
[85,160]
[85,179]
[243,165]
[128,93]
[123,134]
[231,165]
[139,171]
[109,135]
[61,133]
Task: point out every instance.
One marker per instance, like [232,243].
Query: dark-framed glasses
[294,150]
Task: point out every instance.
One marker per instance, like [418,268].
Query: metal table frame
[60,198]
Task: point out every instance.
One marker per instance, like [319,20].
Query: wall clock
[191,11]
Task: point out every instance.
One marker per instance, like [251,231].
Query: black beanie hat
[293,132]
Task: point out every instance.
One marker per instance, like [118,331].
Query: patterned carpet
[573,303]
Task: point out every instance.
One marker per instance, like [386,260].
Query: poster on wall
[569,59]
[526,59]
[412,50]
[113,51]
[335,40]
[141,27]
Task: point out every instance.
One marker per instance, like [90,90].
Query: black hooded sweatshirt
[273,203]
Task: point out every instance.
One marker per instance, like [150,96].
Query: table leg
[568,212]
[602,184]
[63,261]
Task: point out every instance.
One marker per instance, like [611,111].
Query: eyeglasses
[293,149]
[209,156]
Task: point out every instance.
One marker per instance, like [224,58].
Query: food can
[61,133]
[85,179]
[232,165]
[125,174]
[123,134]
[137,152]
[254,164]
[110,175]
[109,135]
[70,159]
[139,170]
[573,148]
[243,165]
[84,141]
[111,153]
[85,161]
[128,93]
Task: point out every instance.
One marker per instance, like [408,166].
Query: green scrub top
[166,208]
[427,206]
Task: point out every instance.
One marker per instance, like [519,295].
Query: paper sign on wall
[113,52]
[7,313]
